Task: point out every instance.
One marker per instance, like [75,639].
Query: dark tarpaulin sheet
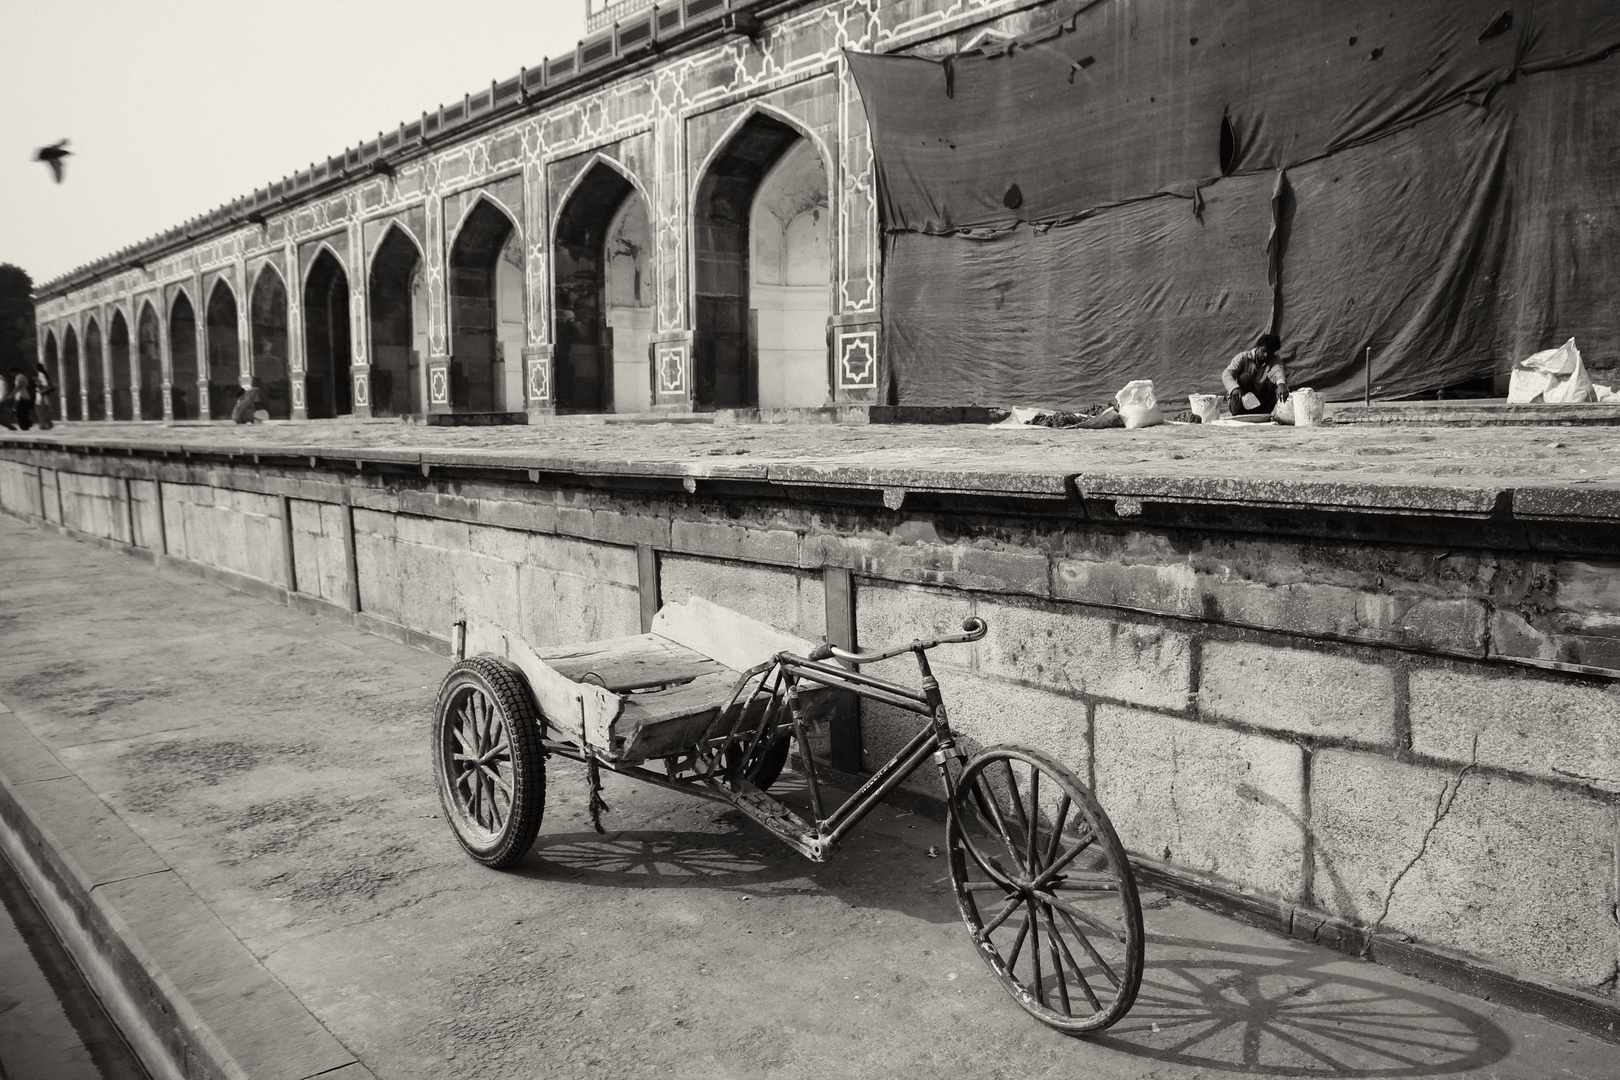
[1401,244]
[1051,318]
[1452,216]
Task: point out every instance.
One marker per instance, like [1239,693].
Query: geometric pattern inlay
[857,360]
[439,385]
[539,391]
[362,388]
[672,367]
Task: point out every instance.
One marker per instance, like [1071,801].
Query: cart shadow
[660,859]
[1279,1011]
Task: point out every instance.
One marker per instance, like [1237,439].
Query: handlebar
[973,629]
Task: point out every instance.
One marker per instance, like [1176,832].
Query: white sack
[1556,376]
[1207,407]
[1138,405]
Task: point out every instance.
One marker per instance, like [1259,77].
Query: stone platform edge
[1100,496]
[188,996]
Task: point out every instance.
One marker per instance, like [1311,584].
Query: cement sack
[1138,405]
[1304,408]
[1555,376]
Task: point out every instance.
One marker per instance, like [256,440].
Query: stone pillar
[359,320]
[244,323]
[200,317]
[295,329]
[84,365]
[107,311]
[537,380]
[859,374]
[165,353]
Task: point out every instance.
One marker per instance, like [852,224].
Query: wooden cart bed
[650,695]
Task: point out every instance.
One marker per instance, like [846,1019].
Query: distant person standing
[44,398]
[1255,380]
[8,408]
[22,393]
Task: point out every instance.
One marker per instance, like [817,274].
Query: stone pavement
[236,798]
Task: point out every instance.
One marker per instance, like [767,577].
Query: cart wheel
[486,752]
[1045,889]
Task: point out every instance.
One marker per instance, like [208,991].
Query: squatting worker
[1255,380]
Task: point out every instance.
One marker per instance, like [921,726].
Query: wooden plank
[731,638]
[289,566]
[574,710]
[351,565]
[844,735]
[629,663]
[647,584]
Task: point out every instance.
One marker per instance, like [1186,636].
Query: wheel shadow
[1280,1011]
[659,859]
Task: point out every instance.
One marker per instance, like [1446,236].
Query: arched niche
[70,376]
[399,326]
[53,366]
[790,279]
[268,314]
[95,376]
[224,352]
[486,313]
[149,353]
[604,296]
[118,360]
[731,329]
[183,358]
[326,339]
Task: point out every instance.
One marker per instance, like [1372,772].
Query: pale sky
[173,107]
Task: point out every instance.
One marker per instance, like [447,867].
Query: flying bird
[52,156]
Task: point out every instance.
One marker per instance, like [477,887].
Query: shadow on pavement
[1295,1011]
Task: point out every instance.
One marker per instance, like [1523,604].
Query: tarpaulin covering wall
[1410,177]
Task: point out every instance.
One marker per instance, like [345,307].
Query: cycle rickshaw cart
[719,700]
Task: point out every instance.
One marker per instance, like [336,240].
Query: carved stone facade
[339,337]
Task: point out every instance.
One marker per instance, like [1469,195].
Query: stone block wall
[1325,728]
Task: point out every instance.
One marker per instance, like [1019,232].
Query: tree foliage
[17,348]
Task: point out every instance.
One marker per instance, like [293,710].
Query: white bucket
[1308,407]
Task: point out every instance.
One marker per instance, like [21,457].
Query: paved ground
[1341,453]
[277,763]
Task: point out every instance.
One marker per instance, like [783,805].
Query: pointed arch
[224,350]
[149,355]
[327,356]
[119,365]
[183,356]
[267,310]
[72,405]
[487,324]
[603,277]
[95,372]
[398,323]
[760,342]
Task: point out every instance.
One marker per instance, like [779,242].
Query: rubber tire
[508,693]
[768,765]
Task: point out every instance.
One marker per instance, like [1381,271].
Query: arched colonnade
[760,292]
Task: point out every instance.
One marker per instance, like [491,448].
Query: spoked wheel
[1045,889]
[486,752]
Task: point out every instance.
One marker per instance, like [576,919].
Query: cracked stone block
[1306,691]
[1213,800]
[791,600]
[1513,872]
[982,713]
[1065,650]
[1552,729]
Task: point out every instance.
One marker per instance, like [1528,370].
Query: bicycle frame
[715,768]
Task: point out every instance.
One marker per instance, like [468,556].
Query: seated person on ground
[1255,379]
